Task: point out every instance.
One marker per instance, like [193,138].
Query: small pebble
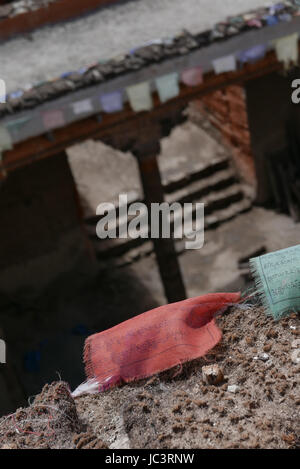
[296,343]
[212,374]
[234,388]
[295,356]
[263,357]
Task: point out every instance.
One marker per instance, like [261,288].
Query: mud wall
[41,234]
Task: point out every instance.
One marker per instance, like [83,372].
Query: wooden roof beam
[113,124]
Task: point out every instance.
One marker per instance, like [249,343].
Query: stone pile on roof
[155,52]
[9,10]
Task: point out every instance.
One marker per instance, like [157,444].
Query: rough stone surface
[233,388]
[176,409]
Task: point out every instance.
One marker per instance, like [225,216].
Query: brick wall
[227,111]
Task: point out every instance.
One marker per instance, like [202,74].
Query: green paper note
[140,97]
[277,278]
[5,139]
[167,86]
[17,124]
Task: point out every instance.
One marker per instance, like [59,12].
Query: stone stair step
[202,171]
[231,197]
[146,249]
[220,190]
[198,189]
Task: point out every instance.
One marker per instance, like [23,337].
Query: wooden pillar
[168,264]
[80,213]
